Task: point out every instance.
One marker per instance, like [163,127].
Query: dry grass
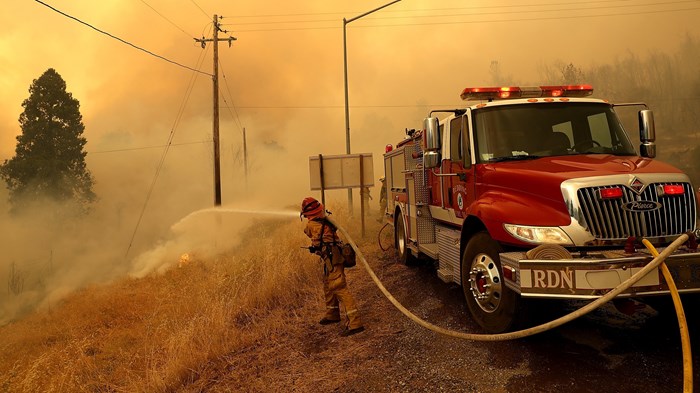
[166,332]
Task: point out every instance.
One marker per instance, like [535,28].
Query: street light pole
[345,73]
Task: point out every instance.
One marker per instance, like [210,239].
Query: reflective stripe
[351,311]
[333,308]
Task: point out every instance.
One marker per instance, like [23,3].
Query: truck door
[459,193]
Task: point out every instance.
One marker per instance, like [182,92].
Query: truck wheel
[401,242]
[491,303]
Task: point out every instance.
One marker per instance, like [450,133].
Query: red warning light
[673,189]
[611,193]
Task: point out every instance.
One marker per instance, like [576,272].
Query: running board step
[445,275]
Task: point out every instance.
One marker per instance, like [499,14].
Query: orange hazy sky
[283,78]
[282,81]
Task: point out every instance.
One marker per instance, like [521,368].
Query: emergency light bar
[509,92]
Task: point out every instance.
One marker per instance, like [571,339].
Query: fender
[399,215]
[497,207]
[471,225]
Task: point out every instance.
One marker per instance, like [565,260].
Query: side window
[456,139]
[600,131]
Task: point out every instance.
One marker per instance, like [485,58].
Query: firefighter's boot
[354,321]
[350,332]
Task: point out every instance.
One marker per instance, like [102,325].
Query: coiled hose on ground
[658,260]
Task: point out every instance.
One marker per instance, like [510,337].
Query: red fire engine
[537,192]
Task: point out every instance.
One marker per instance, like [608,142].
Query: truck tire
[401,241]
[493,305]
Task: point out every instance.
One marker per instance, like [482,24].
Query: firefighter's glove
[312,249]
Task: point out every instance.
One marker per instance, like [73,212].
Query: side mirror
[431,140]
[647,134]
[432,133]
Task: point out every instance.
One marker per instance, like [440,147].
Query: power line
[171,136]
[236,117]
[636,6]
[146,147]
[200,8]
[163,16]
[121,40]
[415,10]
[480,21]
[343,13]
[540,18]
[237,120]
[207,29]
[513,6]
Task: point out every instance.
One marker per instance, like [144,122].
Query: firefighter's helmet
[311,208]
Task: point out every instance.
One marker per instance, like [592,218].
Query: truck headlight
[539,235]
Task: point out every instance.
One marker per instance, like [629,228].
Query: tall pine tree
[49,161]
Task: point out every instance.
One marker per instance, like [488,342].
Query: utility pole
[215,125]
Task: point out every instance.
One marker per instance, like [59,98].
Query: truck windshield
[522,131]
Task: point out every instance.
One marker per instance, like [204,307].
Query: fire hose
[655,263]
[682,323]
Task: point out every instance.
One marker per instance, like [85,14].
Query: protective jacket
[325,239]
[313,230]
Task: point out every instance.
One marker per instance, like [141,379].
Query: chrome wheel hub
[485,283]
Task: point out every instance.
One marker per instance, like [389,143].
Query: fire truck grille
[615,219]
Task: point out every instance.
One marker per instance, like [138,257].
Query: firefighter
[382,198]
[324,242]
[365,197]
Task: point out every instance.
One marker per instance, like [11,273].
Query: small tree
[571,75]
[49,160]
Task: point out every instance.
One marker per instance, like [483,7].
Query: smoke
[47,262]
[285,87]
[46,255]
[202,234]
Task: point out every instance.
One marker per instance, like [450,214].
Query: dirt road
[606,351]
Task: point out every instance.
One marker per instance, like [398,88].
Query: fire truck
[537,192]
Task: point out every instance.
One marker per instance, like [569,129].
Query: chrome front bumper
[596,274]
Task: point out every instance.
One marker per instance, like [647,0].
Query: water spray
[202,232]
[233,210]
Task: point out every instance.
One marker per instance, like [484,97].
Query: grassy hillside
[163,332]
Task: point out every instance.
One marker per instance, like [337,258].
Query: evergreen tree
[49,161]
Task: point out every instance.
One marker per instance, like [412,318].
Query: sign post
[345,171]
[320,172]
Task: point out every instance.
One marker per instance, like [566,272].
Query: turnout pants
[336,291]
